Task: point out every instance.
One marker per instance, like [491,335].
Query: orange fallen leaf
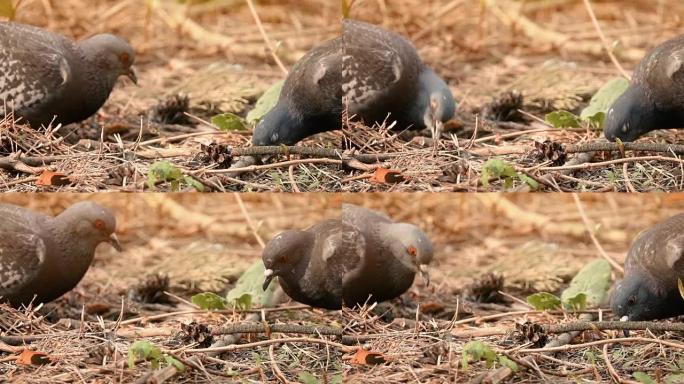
[97,308]
[387,176]
[363,357]
[49,179]
[431,307]
[28,357]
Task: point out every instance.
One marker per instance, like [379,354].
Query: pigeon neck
[95,72]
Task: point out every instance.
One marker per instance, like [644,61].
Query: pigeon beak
[625,331]
[424,273]
[269,275]
[130,73]
[114,241]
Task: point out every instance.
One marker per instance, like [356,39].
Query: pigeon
[653,265]
[46,78]
[310,101]
[42,257]
[654,99]
[384,79]
[375,74]
[340,262]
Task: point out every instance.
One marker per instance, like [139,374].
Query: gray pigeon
[43,257]
[45,77]
[376,74]
[310,101]
[652,267]
[655,99]
[385,79]
[336,262]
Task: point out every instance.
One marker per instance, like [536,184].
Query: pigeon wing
[313,83]
[22,251]
[361,217]
[380,68]
[344,256]
[33,65]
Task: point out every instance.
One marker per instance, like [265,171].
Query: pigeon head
[633,300]
[630,116]
[411,247]
[282,254]
[113,54]
[91,222]
[435,103]
[277,127]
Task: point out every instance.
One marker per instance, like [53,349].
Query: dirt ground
[484,244]
[213,53]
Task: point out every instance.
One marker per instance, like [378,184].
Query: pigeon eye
[99,224]
[124,57]
[283,259]
[412,251]
[631,300]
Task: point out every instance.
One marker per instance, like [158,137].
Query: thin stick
[569,347]
[612,162]
[249,220]
[587,224]
[263,343]
[265,36]
[605,41]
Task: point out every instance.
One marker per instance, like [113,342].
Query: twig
[312,151]
[277,328]
[614,375]
[265,36]
[612,162]
[625,340]
[253,227]
[587,224]
[604,41]
[254,168]
[236,347]
[617,325]
[274,366]
[598,146]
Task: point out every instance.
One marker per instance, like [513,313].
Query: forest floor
[508,63]
[491,252]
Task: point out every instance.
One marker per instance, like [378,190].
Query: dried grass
[213,52]
[202,242]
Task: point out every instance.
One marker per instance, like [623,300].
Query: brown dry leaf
[97,308]
[387,176]
[431,307]
[50,179]
[363,357]
[28,357]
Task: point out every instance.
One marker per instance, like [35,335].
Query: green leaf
[476,351]
[577,302]
[163,171]
[337,379]
[532,183]
[170,360]
[562,119]
[209,301]
[643,378]
[265,103]
[243,302]
[251,283]
[228,122]
[600,103]
[543,301]
[144,350]
[593,281]
[307,378]
[499,169]
[7,9]
[506,362]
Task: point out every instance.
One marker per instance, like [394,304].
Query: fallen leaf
[97,308]
[387,176]
[28,357]
[363,357]
[52,179]
[431,307]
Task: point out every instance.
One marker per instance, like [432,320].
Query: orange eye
[99,224]
[124,58]
[412,250]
